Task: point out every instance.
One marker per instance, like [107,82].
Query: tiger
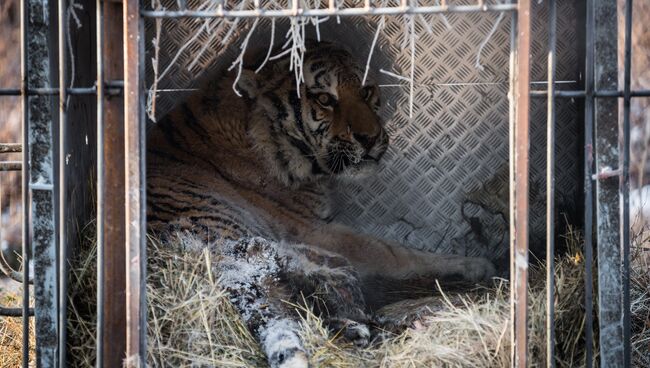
[248,165]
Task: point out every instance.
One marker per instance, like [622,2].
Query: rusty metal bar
[24,103]
[62,182]
[550,188]
[588,188]
[519,224]
[114,255]
[113,88]
[48,91]
[330,11]
[610,318]
[597,93]
[11,165]
[10,147]
[511,170]
[134,120]
[99,29]
[624,186]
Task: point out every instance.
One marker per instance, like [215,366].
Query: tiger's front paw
[289,358]
[283,346]
[355,332]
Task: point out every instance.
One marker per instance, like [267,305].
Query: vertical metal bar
[606,157]
[134,119]
[588,162]
[624,186]
[39,172]
[99,28]
[24,87]
[114,258]
[63,219]
[519,237]
[511,170]
[550,188]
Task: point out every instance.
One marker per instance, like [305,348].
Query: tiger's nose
[374,145]
[367,141]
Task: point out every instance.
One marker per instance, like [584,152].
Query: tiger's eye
[325,99]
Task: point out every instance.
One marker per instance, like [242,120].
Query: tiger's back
[205,177]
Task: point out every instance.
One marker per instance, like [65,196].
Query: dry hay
[191,322]
[11,333]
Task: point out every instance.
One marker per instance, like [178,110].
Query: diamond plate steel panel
[443,184]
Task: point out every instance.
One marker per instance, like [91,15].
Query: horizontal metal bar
[14,312]
[114,84]
[112,88]
[10,147]
[298,12]
[41,186]
[48,91]
[11,166]
[599,94]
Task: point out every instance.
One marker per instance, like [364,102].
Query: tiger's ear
[248,84]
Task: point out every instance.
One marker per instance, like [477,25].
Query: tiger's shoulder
[203,154]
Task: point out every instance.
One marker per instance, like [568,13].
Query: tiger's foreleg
[251,272]
[332,286]
[389,271]
[371,256]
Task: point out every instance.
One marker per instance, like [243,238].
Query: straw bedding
[192,323]
[11,333]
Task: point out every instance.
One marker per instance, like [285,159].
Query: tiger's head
[333,127]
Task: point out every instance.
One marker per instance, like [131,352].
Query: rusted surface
[135,183]
[114,323]
[519,227]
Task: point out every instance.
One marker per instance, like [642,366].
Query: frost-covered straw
[380,26]
[239,62]
[268,54]
[485,42]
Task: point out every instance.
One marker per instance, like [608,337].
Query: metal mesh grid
[443,185]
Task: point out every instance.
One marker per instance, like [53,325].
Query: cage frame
[129,210]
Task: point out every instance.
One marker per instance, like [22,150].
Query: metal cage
[115,103]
